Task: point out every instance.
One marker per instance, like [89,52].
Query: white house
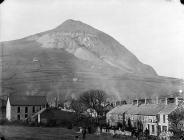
[163,123]
[147,115]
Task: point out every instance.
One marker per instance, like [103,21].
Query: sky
[153,30]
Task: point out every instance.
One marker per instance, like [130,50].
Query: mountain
[75,57]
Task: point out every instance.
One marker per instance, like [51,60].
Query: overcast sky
[153,30]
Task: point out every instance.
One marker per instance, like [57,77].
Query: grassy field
[37,133]
[43,133]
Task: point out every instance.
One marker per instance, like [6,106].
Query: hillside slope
[75,57]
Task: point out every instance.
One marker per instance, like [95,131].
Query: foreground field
[41,133]
[37,133]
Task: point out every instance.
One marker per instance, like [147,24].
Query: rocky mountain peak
[75,57]
[71,25]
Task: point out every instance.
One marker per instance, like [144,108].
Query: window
[33,109]
[25,116]
[18,109]
[148,127]
[153,129]
[159,129]
[163,118]
[18,117]
[26,109]
[150,120]
[158,117]
[164,128]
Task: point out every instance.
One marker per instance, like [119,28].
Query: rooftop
[168,109]
[120,109]
[27,100]
[149,109]
[55,114]
[144,109]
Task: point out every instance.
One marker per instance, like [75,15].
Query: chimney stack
[176,100]
[137,102]
[145,101]
[157,100]
[166,101]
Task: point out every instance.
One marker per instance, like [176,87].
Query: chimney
[176,100]
[114,103]
[137,102]
[145,101]
[166,101]
[157,100]
[56,102]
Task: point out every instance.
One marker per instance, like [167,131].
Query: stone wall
[23,115]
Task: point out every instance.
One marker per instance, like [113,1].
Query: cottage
[148,113]
[153,117]
[23,107]
[117,114]
[171,104]
[163,123]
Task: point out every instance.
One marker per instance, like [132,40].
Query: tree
[175,118]
[124,124]
[95,100]
[129,124]
[78,107]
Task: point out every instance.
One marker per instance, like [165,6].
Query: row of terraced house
[150,115]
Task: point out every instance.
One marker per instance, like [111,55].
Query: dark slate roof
[120,109]
[56,114]
[150,109]
[27,100]
[144,109]
[168,109]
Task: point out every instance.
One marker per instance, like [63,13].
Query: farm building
[52,116]
[23,107]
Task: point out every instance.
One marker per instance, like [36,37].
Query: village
[91,70]
[148,116]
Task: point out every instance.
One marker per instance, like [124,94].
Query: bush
[69,126]
[92,129]
[152,138]
[4,122]
[76,128]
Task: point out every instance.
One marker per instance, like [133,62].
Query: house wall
[22,114]
[134,118]
[162,123]
[150,123]
[152,127]
[2,109]
[113,119]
